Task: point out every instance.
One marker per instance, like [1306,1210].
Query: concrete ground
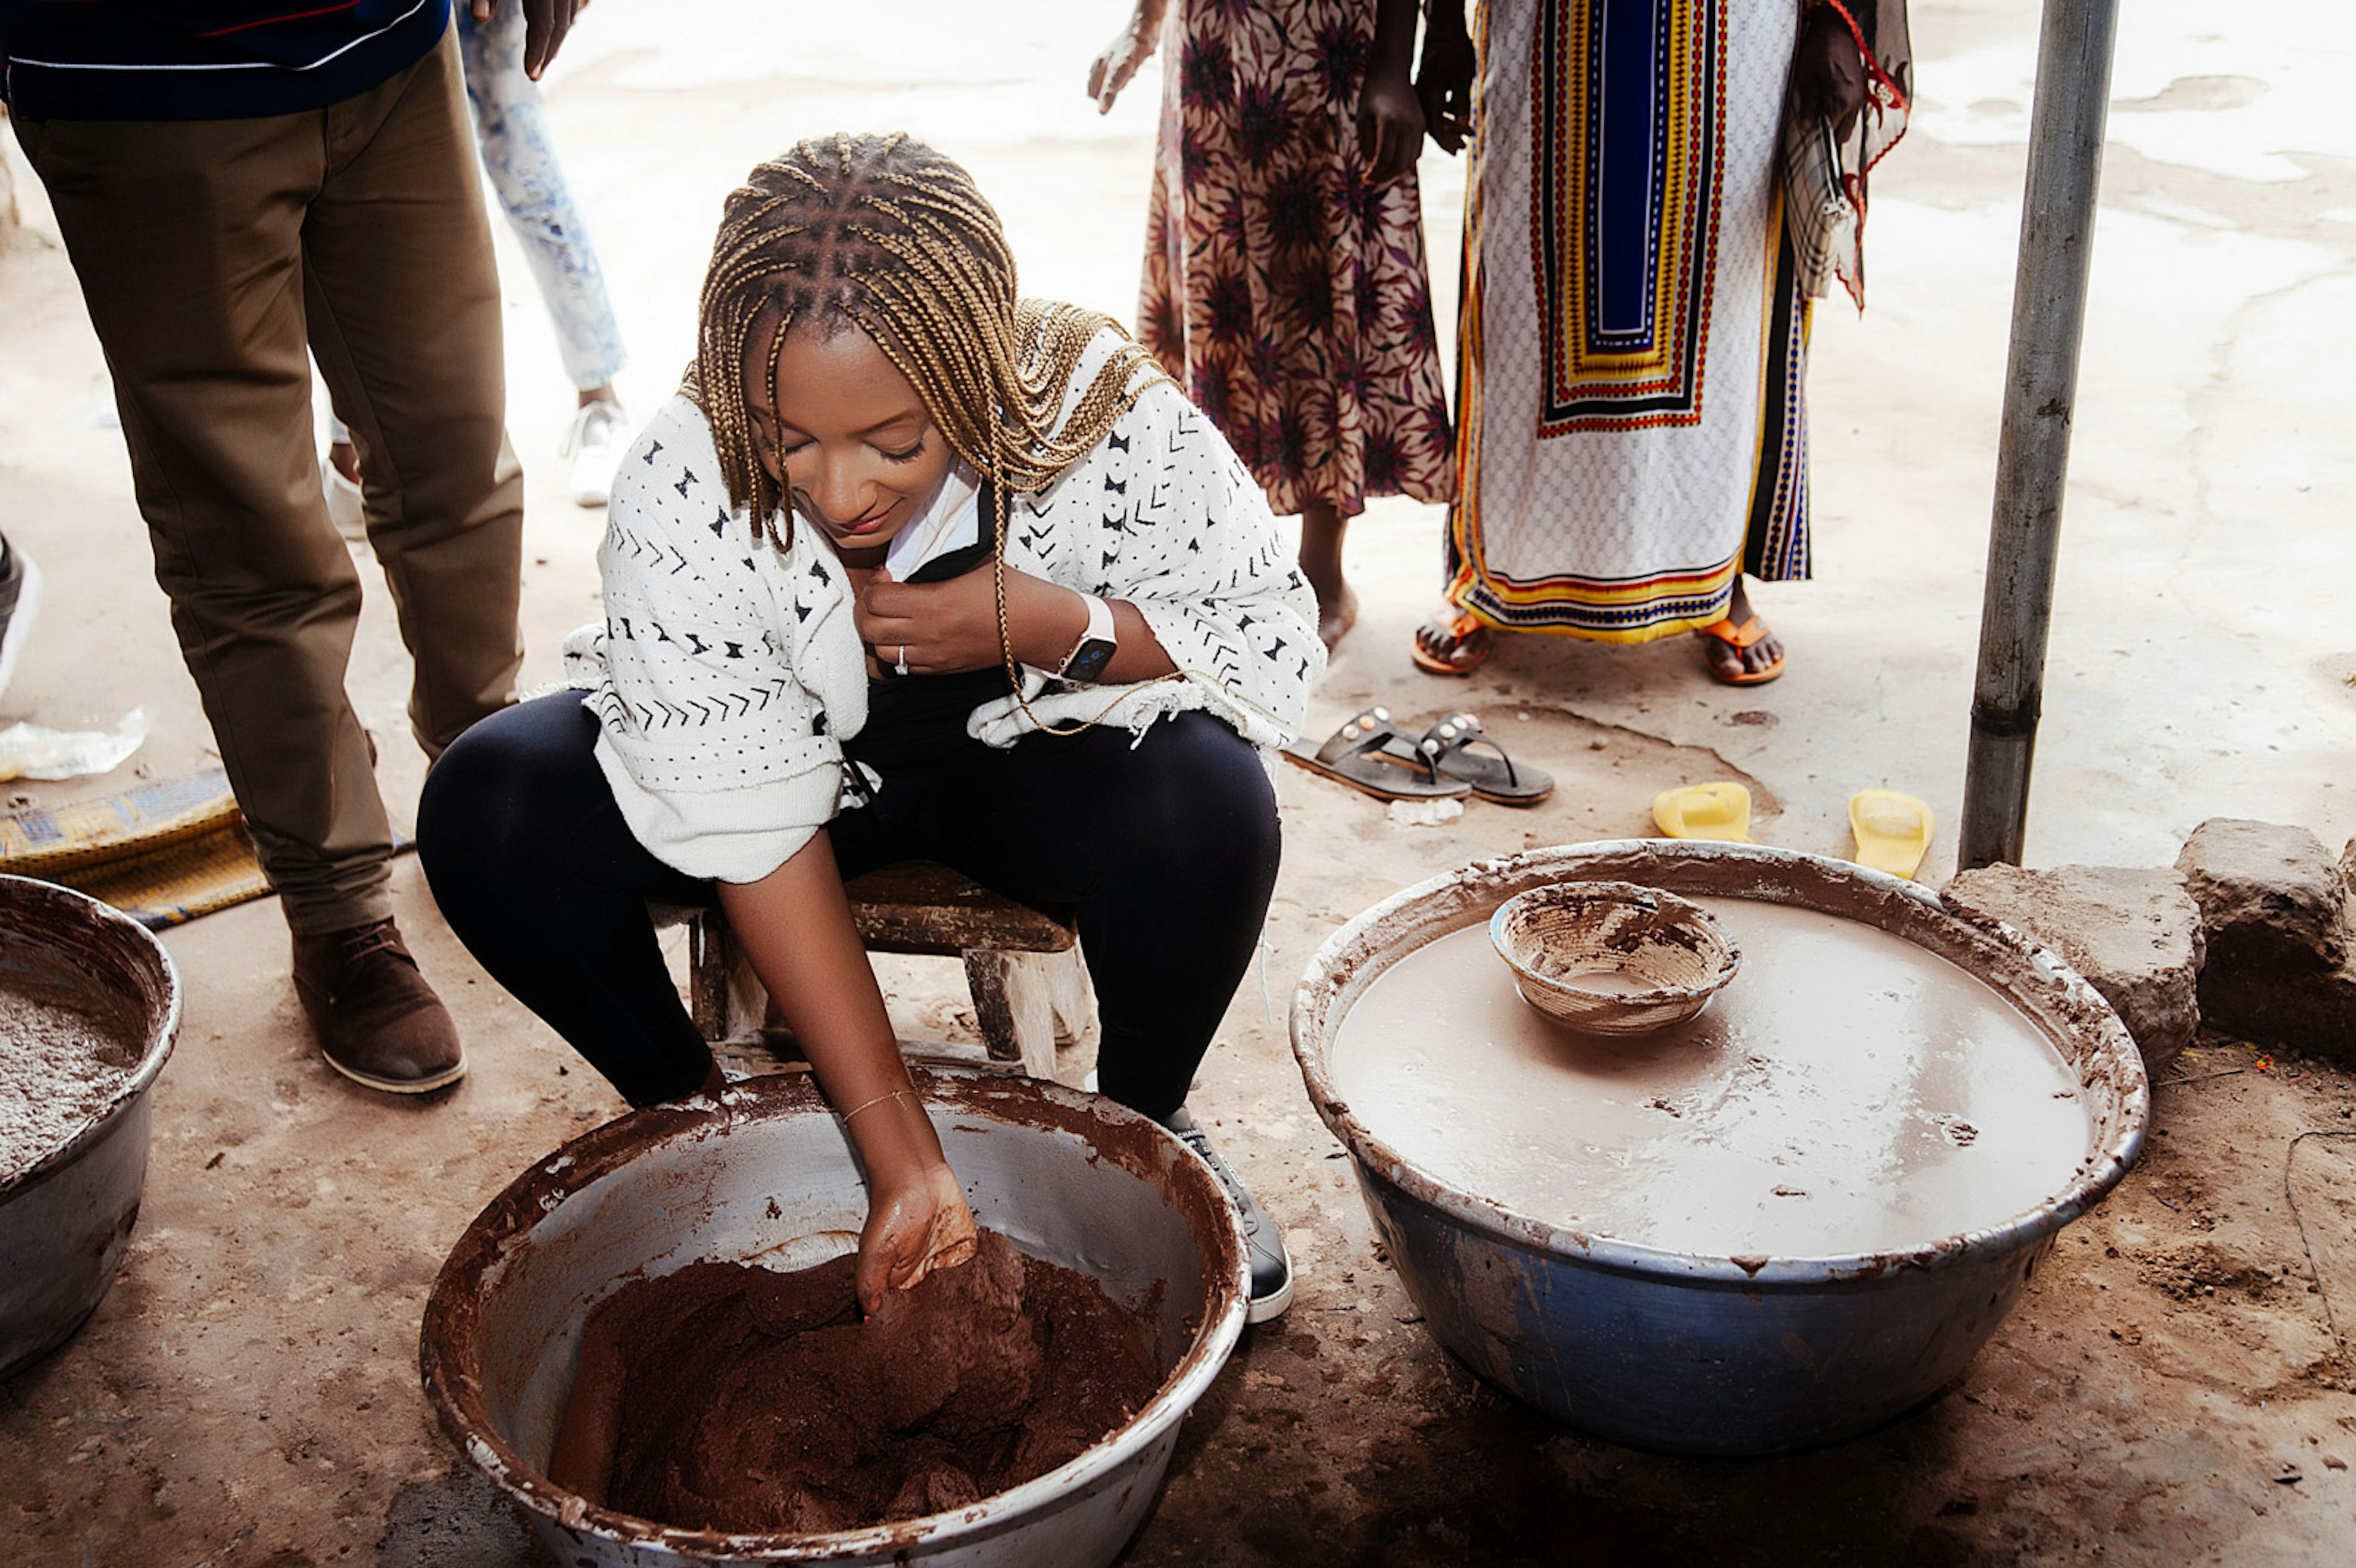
[2170,1391]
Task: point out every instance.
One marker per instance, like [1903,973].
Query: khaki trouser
[211,253]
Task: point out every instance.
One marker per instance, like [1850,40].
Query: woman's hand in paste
[912,1228]
[796,927]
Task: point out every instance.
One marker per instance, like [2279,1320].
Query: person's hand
[1390,127]
[931,628]
[1443,83]
[1111,71]
[912,1228]
[1827,70]
[946,628]
[545,23]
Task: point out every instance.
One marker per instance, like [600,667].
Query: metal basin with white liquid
[66,1217]
[1732,1347]
[767,1174]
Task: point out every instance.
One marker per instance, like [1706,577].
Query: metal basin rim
[479,1256]
[1320,998]
[154,1051]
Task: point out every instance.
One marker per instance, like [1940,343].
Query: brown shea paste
[727,1396]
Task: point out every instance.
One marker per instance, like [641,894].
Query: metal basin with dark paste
[66,1218]
[767,1174]
[1737,1352]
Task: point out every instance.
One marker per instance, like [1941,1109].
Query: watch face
[1088,663]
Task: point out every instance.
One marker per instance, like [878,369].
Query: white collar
[951,522]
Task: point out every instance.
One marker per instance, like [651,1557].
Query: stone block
[2280,970]
[2272,899]
[2313,1011]
[2134,934]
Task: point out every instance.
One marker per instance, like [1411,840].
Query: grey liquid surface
[61,1067]
[1848,1092]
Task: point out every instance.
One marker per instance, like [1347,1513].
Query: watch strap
[1096,645]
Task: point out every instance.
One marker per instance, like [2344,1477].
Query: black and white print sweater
[728,674]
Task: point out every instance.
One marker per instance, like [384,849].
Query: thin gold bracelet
[888,1094]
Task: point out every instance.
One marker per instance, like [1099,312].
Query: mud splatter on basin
[1770,1228]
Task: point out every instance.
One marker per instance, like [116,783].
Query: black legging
[1166,848]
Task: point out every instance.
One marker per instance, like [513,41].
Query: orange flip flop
[1468,639]
[1742,639]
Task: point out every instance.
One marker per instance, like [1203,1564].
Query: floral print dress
[1285,293]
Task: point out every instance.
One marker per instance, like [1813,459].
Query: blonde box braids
[887,234]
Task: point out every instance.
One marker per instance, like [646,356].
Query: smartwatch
[1085,664]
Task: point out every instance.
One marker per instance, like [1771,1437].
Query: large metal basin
[1696,1353]
[65,1220]
[766,1174]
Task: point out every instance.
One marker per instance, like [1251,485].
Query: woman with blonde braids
[912,568]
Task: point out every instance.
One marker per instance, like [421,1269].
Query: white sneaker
[343,502]
[599,435]
[20,597]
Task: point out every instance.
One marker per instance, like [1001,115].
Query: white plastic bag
[33,751]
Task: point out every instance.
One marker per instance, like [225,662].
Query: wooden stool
[1029,988]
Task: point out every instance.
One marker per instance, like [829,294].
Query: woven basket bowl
[1553,936]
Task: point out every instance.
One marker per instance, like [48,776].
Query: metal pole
[2049,317]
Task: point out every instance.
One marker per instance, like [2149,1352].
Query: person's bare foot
[1741,666]
[1336,614]
[1322,525]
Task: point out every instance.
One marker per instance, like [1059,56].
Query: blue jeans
[521,161]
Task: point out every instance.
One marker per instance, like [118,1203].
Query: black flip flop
[1368,753]
[1443,751]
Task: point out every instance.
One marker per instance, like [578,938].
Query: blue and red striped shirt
[204,60]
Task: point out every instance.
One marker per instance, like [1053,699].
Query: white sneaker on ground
[343,502]
[20,596]
[595,444]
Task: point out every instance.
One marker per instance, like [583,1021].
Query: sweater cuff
[727,835]
[1216,668]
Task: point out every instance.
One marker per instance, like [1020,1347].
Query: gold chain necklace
[1006,635]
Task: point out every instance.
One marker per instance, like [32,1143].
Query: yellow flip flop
[1892,830]
[1719,811]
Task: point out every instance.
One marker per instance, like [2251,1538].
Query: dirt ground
[2167,1391]
[2170,1390]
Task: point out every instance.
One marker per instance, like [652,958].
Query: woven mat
[163,853]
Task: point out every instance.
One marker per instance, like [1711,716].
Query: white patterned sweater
[728,674]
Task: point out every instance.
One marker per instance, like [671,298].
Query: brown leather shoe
[377,1022]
